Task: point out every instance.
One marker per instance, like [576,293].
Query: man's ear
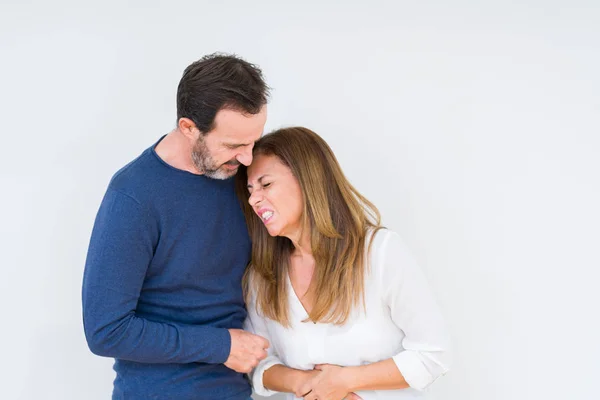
[188,128]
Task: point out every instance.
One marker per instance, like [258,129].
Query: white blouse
[402,322]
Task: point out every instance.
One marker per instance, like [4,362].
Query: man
[162,285]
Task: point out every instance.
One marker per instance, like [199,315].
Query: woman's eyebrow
[259,180]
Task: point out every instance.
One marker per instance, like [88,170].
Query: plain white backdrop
[473,125]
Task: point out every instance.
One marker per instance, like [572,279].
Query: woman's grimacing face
[275,196]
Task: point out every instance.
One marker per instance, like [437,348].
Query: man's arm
[121,249]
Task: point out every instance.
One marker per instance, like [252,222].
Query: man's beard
[205,164]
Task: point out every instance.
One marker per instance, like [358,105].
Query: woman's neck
[302,245]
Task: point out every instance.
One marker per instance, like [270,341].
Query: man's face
[219,153]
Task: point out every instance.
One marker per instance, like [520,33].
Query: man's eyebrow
[235,145]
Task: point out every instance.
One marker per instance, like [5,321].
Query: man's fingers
[264,343]
[262,354]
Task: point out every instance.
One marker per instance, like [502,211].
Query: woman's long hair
[339,219]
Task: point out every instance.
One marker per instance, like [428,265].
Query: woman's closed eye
[263,185]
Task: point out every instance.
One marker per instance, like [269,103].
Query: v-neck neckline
[296,299]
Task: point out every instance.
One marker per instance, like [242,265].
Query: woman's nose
[254,198]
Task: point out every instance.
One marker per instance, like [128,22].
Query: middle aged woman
[342,301]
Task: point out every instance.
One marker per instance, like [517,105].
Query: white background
[474,126]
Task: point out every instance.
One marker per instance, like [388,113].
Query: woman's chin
[272,231]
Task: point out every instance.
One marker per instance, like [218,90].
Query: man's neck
[176,151]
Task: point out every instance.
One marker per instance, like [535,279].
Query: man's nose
[245,157]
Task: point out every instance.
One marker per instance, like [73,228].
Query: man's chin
[222,173]
[230,171]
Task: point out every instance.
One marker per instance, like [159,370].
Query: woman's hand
[301,381]
[332,382]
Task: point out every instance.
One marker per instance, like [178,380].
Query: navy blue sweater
[162,282]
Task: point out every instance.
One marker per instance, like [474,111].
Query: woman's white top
[402,322]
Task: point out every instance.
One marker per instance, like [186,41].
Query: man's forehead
[239,129]
[231,117]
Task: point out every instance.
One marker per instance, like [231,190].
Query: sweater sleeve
[121,249]
[255,323]
[426,354]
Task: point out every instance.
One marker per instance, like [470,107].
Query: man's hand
[332,383]
[246,351]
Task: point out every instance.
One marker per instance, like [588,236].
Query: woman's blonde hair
[339,219]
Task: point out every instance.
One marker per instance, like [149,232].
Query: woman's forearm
[382,375]
[284,379]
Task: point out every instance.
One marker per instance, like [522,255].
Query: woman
[342,302]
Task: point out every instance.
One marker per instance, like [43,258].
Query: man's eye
[267,184]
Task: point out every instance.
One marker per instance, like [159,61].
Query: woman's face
[275,196]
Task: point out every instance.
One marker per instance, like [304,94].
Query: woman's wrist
[298,378]
[351,378]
